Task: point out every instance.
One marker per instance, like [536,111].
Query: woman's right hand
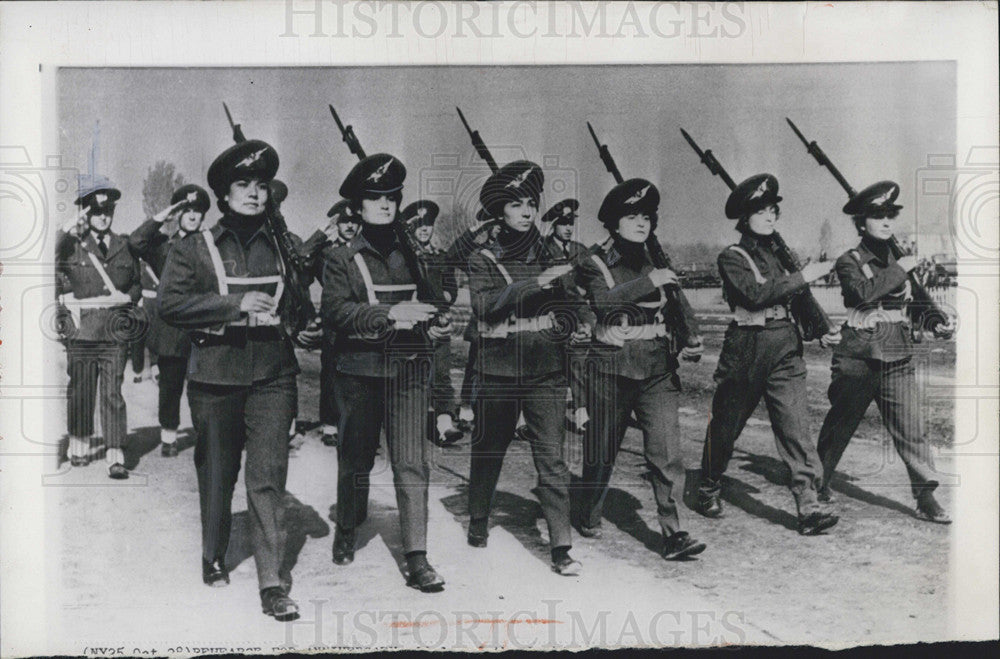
[257,302]
[411,312]
[551,274]
[664,277]
[814,271]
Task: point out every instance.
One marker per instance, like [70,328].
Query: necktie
[104,247]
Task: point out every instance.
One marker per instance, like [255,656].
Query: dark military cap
[876,198]
[562,213]
[341,212]
[754,194]
[97,192]
[513,181]
[278,190]
[250,159]
[636,196]
[378,174]
[193,196]
[420,213]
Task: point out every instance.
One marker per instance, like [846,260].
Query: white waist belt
[74,304]
[617,335]
[503,330]
[745,317]
[868,318]
[149,294]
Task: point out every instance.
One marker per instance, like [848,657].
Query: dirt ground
[129,576]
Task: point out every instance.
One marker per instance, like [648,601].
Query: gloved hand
[831,338]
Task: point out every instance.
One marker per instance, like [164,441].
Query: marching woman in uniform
[515,298]
[384,353]
[225,287]
[762,356]
[874,359]
[640,374]
[171,345]
[98,283]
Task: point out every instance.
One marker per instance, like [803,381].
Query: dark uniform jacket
[560,251]
[888,289]
[495,300]
[631,297]
[458,255]
[151,245]
[189,299]
[77,276]
[365,337]
[739,283]
[441,271]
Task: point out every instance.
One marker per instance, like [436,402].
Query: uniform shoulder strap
[366,276]
[866,269]
[753,266]
[220,270]
[602,266]
[493,257]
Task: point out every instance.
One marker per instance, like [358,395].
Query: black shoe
[276,603]
[168,450]
[137,379]
[567,567]
[214,573]
[825,495]
[681,545]
[425,579]
[478,533]
[928,509]
[79,461]
[329,439]
[118,472]
[589,531]
[343,547]
[450,436]
[709,505]
[463,426]
[817,522]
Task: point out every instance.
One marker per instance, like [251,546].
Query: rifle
[428,290]
[477,142]
[806,310]
[298,310]
[678,315]
[923,311]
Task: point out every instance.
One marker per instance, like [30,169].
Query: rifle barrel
[336,118]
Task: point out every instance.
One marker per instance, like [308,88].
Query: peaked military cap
[249,159]
[97,192]
[341,212]
[193,196]
[632,197]
[278,190]
[420,213]
[563,212]
[377,174]
[754,194]
[513,181]
[876,198]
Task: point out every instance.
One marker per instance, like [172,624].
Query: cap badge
[377,175]
[421,211]
[519,179]
[566,210]
[761,190]
[101,199]
[881,199]
[252,158]
[192,197]
[637,197]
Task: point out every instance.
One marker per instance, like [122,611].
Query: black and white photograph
[497,326]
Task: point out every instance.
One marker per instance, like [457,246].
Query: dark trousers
[399,404]
[172,372]
[854,385]
[93,366]
[611,399]
[442,391]
[499,403]
[766,362]
[470,377]
[228,419]
[137,350]
[328,414]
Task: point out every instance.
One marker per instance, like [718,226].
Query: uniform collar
[115,245]
[360,243]
[220,229]
[750,241]
[866,255]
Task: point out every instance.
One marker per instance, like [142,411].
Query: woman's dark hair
[859,220]
[743,224]
[654,219]
[355,204]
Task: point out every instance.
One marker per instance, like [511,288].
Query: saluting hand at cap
[168,211]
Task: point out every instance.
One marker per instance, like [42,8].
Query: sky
[875,121]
